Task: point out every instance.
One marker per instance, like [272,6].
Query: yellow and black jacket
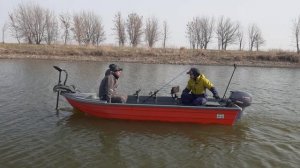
[199,85]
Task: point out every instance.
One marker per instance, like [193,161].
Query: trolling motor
[60,70]
[62,88]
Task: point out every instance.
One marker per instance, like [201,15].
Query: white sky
[274,17]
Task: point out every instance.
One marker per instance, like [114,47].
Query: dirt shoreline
[150,56]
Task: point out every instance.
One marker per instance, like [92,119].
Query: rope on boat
[64,88]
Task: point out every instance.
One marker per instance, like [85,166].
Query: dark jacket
[108,87]
[108,72]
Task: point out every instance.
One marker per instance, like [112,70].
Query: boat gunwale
[97,102]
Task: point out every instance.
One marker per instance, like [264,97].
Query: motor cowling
[242,99]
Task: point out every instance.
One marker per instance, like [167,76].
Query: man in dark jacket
[108,86]
[195,91]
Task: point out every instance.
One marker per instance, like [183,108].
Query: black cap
[115,68]
[111,66]
[194,71]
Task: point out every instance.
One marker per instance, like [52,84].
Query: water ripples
[33,134]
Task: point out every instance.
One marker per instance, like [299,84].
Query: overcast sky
[274,17]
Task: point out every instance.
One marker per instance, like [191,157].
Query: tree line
[30,23]
[200,32]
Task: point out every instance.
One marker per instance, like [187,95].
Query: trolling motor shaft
[59,83]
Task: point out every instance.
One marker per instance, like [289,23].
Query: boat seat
[93,96]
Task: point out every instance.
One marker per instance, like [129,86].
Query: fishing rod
[155,92]
[234,65]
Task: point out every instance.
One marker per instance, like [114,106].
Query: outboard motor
[242,99]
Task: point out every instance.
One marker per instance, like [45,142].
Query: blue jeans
[192,99]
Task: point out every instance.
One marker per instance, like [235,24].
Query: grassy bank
[146,55]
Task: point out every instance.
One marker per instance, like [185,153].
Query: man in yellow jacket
[195,91]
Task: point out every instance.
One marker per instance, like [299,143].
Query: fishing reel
[174,92]
[136,94]
[152,94]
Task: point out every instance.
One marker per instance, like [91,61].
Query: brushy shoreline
[153,56]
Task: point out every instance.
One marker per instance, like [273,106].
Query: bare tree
[29,22]
[88,28]
[151,31]
[99,35]
[252,33]
[65,20]
[165,33]
[296,32]
[89,20]
[191,35]
[240,38]
[78,28]
[226,32]
[255,37]
[259,41]
[194,33]
[119,28]
[4,27]
[134,28]
[200,31]
[21,23]
[207,27]
[24,22]
[92,28]
[39,23]
[14,29]
[51,32]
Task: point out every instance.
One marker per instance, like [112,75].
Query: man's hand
[185,91]
[216,96]
[215,93]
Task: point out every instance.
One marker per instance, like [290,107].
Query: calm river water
[33,135]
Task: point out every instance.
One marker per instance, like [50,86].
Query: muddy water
[34,135]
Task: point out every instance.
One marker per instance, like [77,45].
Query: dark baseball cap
[115,68]
[194,71]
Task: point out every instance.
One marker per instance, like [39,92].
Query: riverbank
[153,56]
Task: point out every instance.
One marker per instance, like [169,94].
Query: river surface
[33,134]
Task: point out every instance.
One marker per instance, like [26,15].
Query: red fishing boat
[157,108]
